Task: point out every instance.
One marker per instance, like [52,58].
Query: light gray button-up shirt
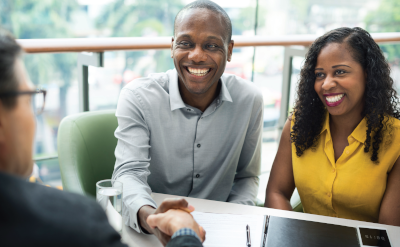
[167,146]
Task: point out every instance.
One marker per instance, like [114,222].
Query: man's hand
[173,220]
[167,204]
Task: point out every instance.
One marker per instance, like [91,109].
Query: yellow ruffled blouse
[353,186]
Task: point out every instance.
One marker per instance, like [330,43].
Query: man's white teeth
[198,72]
[336,98]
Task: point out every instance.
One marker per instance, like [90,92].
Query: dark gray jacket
[184,241]
[35,215]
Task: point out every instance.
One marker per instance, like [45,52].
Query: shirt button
[188,109]
[347,152]
[134,225]
[197,175]
[333,170]
[198,145]
[328,194]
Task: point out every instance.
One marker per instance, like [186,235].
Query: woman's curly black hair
[381,99]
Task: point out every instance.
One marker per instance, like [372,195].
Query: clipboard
[278,232]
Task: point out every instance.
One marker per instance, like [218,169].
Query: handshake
[171,216]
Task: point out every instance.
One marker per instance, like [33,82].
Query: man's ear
[172,47]
[2,119]
[230,49]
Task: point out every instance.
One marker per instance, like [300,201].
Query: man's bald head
[209,5]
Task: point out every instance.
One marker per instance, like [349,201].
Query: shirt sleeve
[132,156]
[245,187]
[185,232]
[184,241]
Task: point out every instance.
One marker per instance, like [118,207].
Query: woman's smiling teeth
[335,98]
[198,72]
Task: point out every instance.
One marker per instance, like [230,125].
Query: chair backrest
[86,145]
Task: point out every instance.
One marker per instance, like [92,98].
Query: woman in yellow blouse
[341,146]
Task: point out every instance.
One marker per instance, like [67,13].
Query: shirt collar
[224,94]
[175,99]
[359,133]
[326,123]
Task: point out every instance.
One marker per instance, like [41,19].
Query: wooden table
[134,239]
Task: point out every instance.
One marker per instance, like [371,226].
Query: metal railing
[146,43]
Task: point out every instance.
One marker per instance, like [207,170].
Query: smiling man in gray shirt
[192,131]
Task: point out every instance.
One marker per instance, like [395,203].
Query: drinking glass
[109,196]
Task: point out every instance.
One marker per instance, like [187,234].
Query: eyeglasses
[38,98]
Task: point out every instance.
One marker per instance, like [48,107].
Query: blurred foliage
[246,18]
[31,19]
[124,18]
[139,18]
[386,19]
[300,9]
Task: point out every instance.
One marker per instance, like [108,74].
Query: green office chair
[86,146]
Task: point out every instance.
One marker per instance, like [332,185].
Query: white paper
[229,229]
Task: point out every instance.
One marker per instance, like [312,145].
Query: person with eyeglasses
[35,215]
